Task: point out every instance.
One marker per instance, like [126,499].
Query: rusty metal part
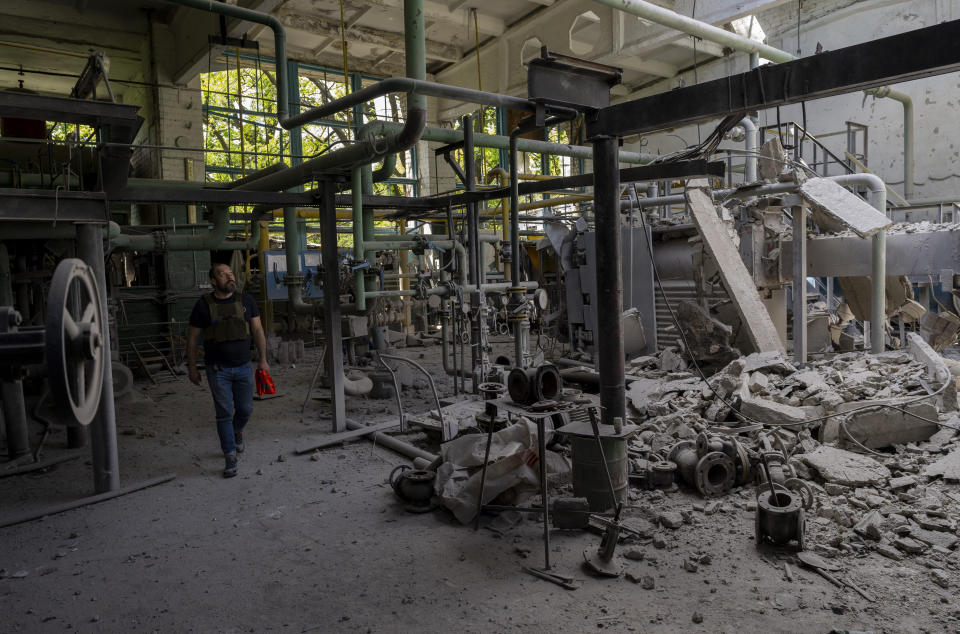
[779,518]
[711,464]
[570,513]
[491,390]
[413,486]
[530,385]
[715,474]
[661,474]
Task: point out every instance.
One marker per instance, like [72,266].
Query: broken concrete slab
[841,206]
[883,427]
[736,279]
[922,352]
[940,328]
[947,467]
[845,467]
[770,412]
[708,338]
[771,361]
[758,382]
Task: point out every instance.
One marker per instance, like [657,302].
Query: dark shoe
[230,468]
[238,437]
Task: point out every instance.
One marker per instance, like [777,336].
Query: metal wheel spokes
[74,341]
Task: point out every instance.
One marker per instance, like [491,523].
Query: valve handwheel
[74,341]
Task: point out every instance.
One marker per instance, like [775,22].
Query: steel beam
[888,60]
[606,209]
[331,308]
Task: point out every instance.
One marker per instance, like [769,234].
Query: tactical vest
[226,320]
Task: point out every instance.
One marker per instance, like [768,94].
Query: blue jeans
[232,390]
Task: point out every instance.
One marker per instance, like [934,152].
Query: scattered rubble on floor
[868,445]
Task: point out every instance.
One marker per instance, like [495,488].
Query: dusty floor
[298,545]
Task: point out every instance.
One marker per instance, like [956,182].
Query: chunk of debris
[940,578]
[670,519]
[836,208]
[883,427]
[771,412]
[870,526]
[947,467]
[903,482]
[910,545]
[845,467]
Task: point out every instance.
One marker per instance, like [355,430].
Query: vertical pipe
[877,195]
[267,305]
[800,284]
[331,306]
[878,296]
[518,339]
[473,228]
[358,237]
[103,429]
[750,145]
[609,308]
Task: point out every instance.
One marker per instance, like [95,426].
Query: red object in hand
[264,383]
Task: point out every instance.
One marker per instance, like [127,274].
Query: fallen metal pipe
[93,499]
[405,449]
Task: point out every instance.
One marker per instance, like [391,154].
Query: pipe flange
[802,489]
[744,470]
[715,474]
[677,448]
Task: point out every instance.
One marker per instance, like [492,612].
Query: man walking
[227,321]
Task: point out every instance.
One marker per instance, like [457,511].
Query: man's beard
[226,287]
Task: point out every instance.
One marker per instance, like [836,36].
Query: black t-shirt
[226,353]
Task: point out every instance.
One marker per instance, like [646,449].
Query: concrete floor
[301,545]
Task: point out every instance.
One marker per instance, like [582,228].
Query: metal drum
[589,480]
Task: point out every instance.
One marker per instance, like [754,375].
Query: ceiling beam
[435,11]
[318,25]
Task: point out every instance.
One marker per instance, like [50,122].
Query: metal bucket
[589,479]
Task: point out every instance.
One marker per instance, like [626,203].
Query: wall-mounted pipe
[755,49]
[214,239]
[907,103]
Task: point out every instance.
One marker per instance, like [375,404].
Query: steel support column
[331,306]
[476,253]
[800,284]
[606,209]
[103,429]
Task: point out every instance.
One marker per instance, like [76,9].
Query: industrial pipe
[666,17]
[449,136]
[907,102]
[750,145]
[696,28]
[444,291]
[359,282]
[877,194]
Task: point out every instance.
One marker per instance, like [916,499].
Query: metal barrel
[589,480]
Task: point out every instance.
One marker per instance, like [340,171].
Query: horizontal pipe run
[489,289]
[452,136]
